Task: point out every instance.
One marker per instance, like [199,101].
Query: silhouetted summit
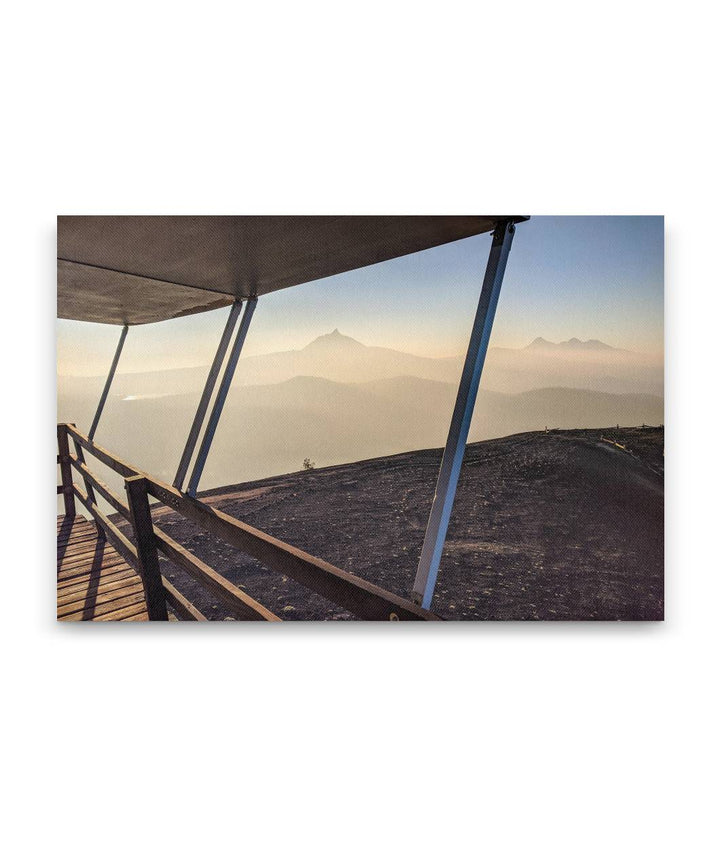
[333,340]
[573,344]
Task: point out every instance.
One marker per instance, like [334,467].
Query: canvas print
[374,418]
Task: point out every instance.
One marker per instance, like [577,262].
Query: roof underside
[136,270]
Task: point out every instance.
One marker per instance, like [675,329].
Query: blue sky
[590,277]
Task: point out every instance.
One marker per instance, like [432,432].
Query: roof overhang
[137,270]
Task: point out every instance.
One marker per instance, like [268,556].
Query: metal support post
[460,424]
[206,394]
[108,383]
[221,396]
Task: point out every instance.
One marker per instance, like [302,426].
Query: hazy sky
[590,277]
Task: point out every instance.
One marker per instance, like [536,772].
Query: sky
[585,277]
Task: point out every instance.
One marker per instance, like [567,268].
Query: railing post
[148,562]
[88,484]
[66,471]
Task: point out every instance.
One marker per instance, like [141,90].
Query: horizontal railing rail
[240,604]
[237,601]
[128,551]
[361,598]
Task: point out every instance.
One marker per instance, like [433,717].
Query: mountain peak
[334,340]
[573,344]
[539,342]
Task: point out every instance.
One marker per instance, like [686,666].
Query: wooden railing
[359,597]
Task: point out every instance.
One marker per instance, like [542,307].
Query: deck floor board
[94,583]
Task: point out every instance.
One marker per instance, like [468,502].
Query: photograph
[383,525]
[360,418]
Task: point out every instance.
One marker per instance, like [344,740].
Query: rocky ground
[551,526]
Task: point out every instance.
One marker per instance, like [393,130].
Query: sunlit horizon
[567,277]
[101,370]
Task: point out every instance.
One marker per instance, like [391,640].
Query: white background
[504,739]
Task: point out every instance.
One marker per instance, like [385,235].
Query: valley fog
[337,401]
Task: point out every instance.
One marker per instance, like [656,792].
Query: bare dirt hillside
[558,525]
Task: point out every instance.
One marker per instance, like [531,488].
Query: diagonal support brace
[206,395]
[221,396]
[452,459]
[108,383]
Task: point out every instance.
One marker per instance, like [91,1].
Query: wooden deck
[121,578]
[94,583]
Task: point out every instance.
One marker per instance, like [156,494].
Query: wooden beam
[242,605]
[105,457]
[65,471]
[148,562]
[104,491]
[124,546]
[363,599]
[182,606]
[88,484]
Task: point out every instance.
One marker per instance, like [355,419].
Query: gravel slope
[557,525]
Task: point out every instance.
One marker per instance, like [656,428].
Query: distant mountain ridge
[591,364]
[570,345]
